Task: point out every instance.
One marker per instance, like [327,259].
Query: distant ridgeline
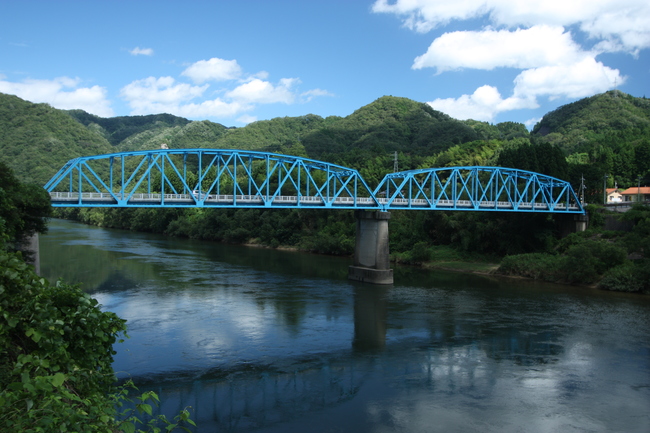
[607,134]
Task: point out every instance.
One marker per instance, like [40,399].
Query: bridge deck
[225,200]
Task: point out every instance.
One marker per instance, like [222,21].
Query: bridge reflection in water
[259,396]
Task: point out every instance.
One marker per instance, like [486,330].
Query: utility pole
[605,189]
[638,189]
[582,189]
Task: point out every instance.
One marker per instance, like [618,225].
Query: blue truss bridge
[226,178]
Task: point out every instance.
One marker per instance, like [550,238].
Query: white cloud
[264,92]
[523,48]
[578,80]
[484,104]
[62,93]
[424,15]
[162,90]
[624,22]
[530,36]
[165,94]
[311,94]
[137,51]
[214,69]
[246,119]
[530,123]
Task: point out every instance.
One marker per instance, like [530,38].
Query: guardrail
[92,198]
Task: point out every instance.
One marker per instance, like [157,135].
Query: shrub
[56,353]
[539,266]
[56,350]
[622,279]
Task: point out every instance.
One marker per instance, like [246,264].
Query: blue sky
[234,62]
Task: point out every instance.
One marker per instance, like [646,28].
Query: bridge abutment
[371,254]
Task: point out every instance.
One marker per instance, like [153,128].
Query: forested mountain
[118,129]
[36,139]
[607,134]
[389,124]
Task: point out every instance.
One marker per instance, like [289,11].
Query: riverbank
[587,258]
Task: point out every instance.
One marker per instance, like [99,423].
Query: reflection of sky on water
[278,346]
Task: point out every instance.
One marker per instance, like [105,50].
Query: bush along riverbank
[506,244]
[610,260]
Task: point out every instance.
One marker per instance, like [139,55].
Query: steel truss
[206,178]
[477,188]
[226,178]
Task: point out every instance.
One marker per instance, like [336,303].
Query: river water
[259,340]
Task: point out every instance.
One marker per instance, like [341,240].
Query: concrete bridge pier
[571,223]
[32,252]
[371,256]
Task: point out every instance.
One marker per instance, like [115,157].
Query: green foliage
[36,139]
[57,348]
[606,134]
[630,277]
[538,266]
[541,158]
[118,129]
[387,125]
[23,208]
[584,262]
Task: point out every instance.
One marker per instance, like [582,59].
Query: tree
[24,208]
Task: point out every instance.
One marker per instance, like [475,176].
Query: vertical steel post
[162,181]
[80,172]
[122,187]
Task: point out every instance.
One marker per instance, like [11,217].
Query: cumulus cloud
[246,119]
[576,80]
[488,49]
[137,51]
[530,36]
[63,93]
[484,104]
[165,94]
[263,92]
[214,69]
[241,93]
[623,22]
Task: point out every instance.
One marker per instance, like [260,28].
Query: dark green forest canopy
[118,129]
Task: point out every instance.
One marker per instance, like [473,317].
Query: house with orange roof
[636,194]
[614,195]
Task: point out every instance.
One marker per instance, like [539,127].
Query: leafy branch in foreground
[56,350]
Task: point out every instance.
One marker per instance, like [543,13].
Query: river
[259,340]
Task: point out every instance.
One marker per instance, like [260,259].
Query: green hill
[606,134]
[36,139]
[118,129]
[389,124]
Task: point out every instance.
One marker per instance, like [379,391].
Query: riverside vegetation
[604,135]
[56,345]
